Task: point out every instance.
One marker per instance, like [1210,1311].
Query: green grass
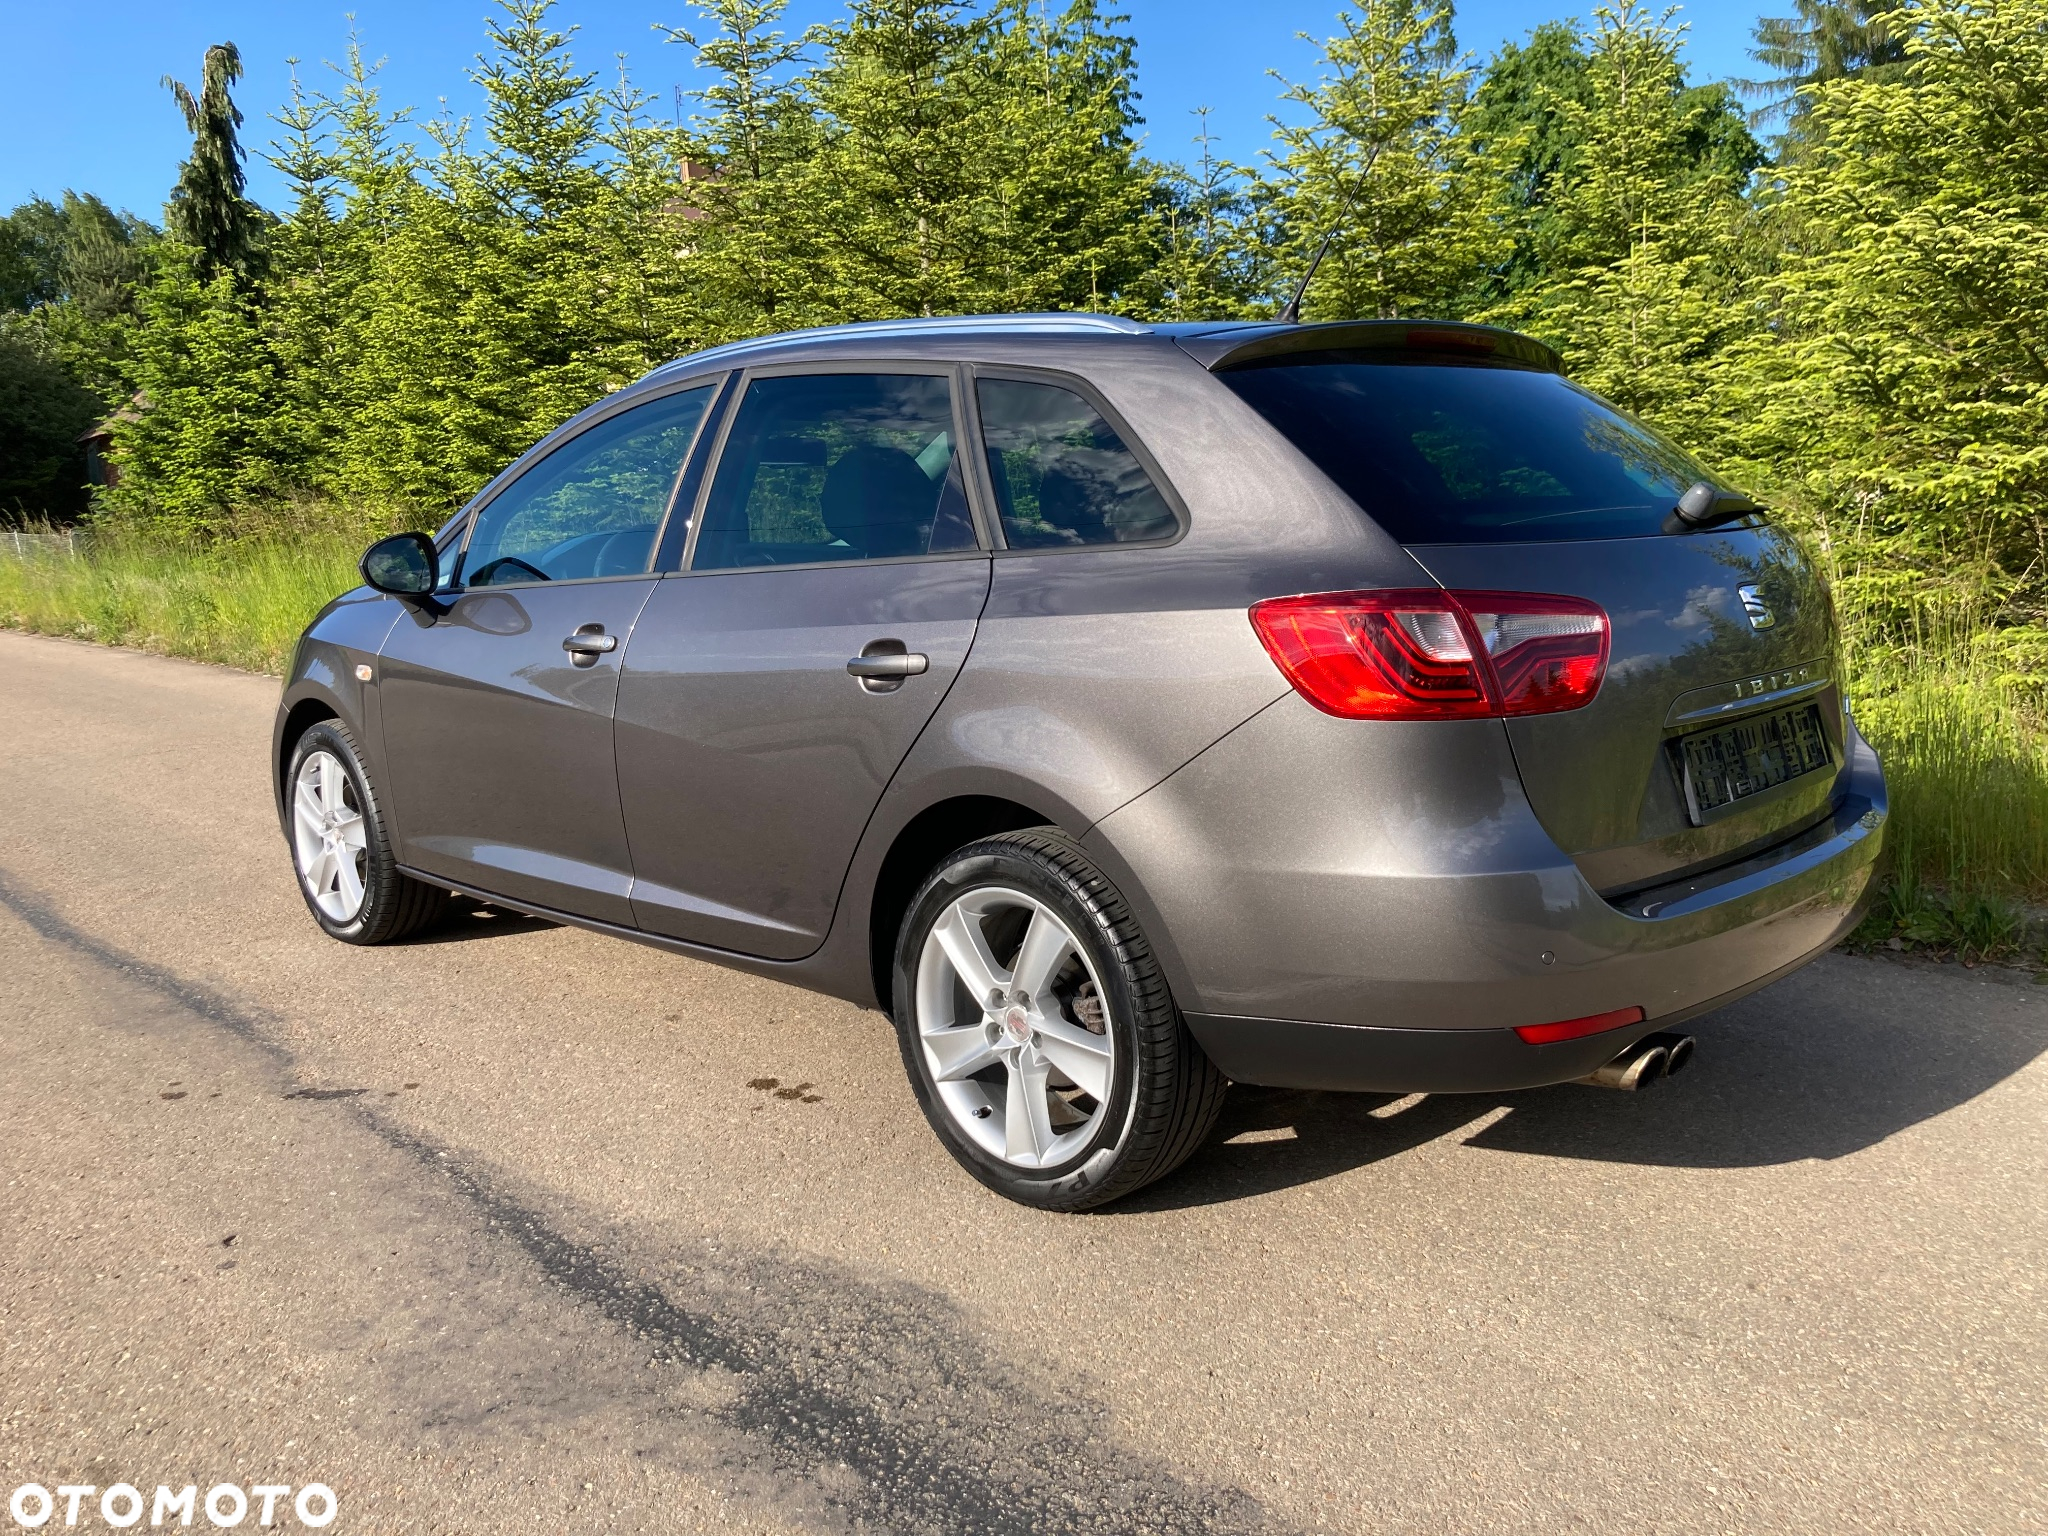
[242,602]
[1959,713]
[1962,725]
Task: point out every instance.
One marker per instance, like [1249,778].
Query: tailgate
[1718,729]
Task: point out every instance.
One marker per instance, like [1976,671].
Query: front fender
[322,683]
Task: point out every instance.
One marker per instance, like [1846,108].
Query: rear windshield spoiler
[1243,347]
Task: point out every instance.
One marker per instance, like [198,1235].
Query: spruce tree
[746,240]
[1634,258]
[207,210]
[1823,40]
[1381,168]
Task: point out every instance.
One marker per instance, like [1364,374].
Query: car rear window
[1440,452]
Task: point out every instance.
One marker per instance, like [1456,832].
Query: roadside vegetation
[240,601]
[1826,282]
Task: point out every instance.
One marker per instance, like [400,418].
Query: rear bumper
[1393,944]
[1355,1058]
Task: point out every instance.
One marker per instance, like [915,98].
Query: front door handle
[889,665]
[588,643]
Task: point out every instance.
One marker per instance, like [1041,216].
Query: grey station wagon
[1126,709]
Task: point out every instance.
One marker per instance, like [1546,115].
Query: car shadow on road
[468,921]
[1810,1068]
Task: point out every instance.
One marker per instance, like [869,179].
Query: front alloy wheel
[340,849]
[329,836]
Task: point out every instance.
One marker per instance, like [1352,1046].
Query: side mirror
[404,565]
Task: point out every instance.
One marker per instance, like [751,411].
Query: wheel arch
[295,717]
[916,851]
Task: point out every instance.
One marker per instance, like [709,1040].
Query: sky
[82,106]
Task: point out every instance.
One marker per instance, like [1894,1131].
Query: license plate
[1738,761]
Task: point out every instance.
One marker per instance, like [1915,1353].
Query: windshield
[1448,453]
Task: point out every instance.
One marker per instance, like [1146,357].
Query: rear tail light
[1427,654]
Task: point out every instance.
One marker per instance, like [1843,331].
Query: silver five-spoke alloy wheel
[1011,1018]
[329,836]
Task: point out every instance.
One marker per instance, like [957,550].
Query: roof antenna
[1291,315]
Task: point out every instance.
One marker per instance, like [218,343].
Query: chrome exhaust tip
[1634,1069]
[1678,1050]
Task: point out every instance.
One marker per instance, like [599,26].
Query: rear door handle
[888,665]
[588,643]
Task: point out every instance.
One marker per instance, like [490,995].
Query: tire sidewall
[332,736]
[982,866]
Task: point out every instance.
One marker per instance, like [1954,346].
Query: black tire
[1165,1095]
[395,906]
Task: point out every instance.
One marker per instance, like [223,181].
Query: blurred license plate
[1731,764]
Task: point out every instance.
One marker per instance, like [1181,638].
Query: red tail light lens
[1426,654]
[1574,1029]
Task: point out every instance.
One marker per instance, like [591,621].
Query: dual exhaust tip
[1663,1054]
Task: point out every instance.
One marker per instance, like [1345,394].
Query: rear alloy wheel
[340,851]
[1038,1031]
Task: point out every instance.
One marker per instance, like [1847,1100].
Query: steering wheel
[488,575]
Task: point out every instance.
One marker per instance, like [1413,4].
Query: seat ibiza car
[1125,709]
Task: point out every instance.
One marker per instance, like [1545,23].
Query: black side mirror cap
[404,565]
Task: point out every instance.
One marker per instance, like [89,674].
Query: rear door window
[1448,453]
[837,466]
[1062,476]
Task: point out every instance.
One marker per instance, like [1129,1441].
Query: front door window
[592,507]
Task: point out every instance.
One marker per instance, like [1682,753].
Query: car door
[834,580]
[498,698]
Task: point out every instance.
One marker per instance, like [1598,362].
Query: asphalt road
[500,1232]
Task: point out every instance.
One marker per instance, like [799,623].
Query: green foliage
[1823,40]
[207,210]
[242,602]
[1381,165]
[78,250]
[1894,393]
[1972,925]
[1629,260]
[42,412]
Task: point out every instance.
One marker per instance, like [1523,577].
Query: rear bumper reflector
[1572,1029]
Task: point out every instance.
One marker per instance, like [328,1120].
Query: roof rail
[1049,323]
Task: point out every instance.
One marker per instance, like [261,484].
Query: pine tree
[900,179]
[1072,199]
[1634,265]
[207,210]
[1208,267]
[1897,396]
[746,237]
[1823,40]
[1381,167]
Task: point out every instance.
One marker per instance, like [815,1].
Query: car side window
[837,466]
[592,507]
[1062,476]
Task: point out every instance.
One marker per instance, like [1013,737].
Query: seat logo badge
[1753,605]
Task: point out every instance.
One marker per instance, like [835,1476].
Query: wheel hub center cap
[1016,1025]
